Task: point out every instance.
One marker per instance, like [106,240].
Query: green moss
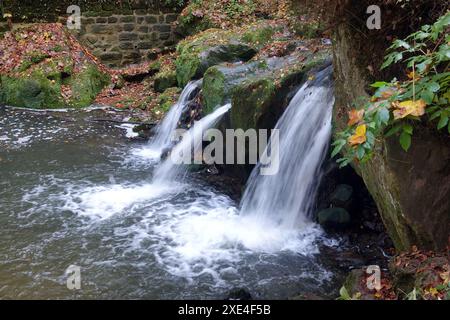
[187,66]
[250,100]
[33,58]
[308,30]
[165,80]
[213,89]
[36,92]
[259,37]
[167,99]
[86,85]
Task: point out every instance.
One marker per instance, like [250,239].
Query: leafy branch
[396,105]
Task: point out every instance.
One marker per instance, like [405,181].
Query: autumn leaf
[409,107]
[413,76]
[445,276]
[355,116]
[359,137]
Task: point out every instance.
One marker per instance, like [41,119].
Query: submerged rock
[335,218]
[239,294]
[341,196]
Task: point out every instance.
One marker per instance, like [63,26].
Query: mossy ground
[52,71]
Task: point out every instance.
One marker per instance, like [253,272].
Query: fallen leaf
[359,137]
[409,107]
[355,116]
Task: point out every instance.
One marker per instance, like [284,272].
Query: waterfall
[190,144]
[286,198]
[165,129]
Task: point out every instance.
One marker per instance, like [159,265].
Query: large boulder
[215,46]
[411,189]
[259,92]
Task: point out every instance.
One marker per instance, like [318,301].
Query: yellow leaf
[359,137]
[413,76]
[445,276]
[409,107]
[355,116]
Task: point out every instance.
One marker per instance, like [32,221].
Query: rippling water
[80,193]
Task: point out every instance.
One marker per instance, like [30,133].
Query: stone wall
[118,32]
[125,39]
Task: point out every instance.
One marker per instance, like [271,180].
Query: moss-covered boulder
[214,46]
[165,80]
[52,71]
[258,90]
[37,92]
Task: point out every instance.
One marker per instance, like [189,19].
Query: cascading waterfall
[190,142]
[286,198]
[165,129]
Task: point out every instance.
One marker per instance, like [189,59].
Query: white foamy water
[286,199]
[165,130]
[190,144]
[106,201]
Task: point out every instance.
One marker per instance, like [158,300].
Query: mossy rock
[86,85]
[213,89]
[250,102]
[335,218]
[210,48]
[168,98]
[260,36]
[36,93]
[194,65]
[40,87]
[165,80]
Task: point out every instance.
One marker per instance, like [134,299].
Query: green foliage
[235,8]
[174,3]
[396,105]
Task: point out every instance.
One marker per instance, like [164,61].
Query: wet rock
[165,80]
[334,218]
[192,65]
[239,294]
[341,196]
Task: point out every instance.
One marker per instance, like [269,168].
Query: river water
[79,192]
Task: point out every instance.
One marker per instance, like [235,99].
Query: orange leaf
[355,116]
[359,137]
[409,107]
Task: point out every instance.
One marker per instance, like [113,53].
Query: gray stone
[164,36]
[113,20]
[162,28]
[101,20]
[143,29]
[127,19]
[171,18]
[145,45]
[334,218]
[101,29]
[341,196]
[127,36]
[151,19]
[125,45]
[128,27]
[111,56]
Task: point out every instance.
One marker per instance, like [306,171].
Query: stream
[78,192]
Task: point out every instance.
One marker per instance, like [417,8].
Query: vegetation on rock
[45,67]
[396,105]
